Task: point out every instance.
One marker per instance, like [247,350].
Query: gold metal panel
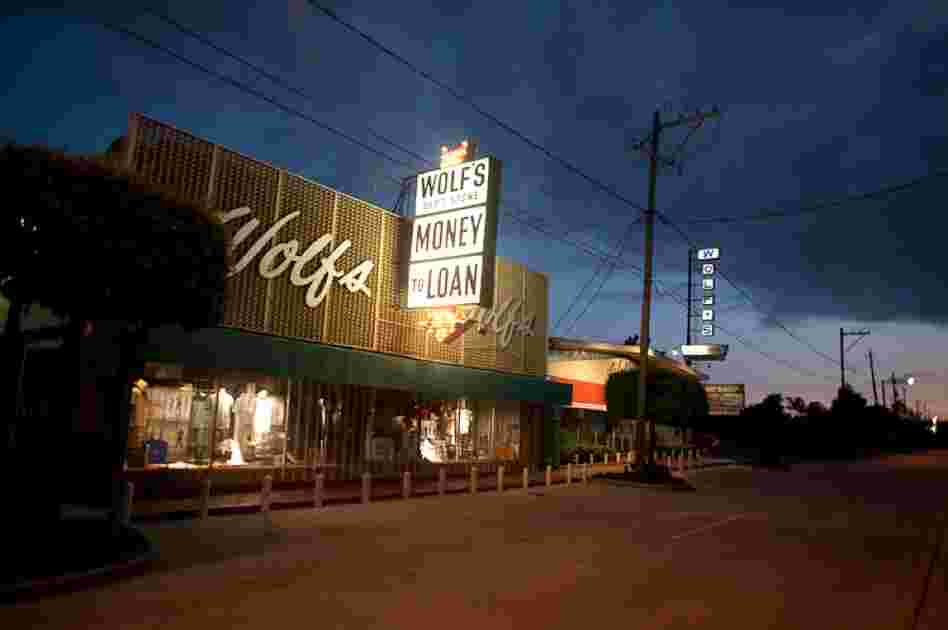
[509,285]
[400,339]
[245,182]
[289,314]
[172,158]
[185,163]
[536,292]
[480,350]
[352,315]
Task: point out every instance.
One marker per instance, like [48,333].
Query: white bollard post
[205,497]
[366,487]
[442,480]
[406,485]
[318,487]
[549,476]
[569,474]
[265,503]
[473,488]
[500,479]
[526,478]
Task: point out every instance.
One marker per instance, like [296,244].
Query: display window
[229,418]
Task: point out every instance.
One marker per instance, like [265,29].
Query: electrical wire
[167,19]
[253,92]
[834,203]
[456,93]
[664,219]
[605,278]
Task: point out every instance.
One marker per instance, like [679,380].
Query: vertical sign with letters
[708,262]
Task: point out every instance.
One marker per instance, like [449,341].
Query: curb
[131,565]
[254,508]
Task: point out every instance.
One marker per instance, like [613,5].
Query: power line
[456,93]
[775,214]
[322,125]
[664,219]
[800,370]
[253,92]
[269,75]
[605,278]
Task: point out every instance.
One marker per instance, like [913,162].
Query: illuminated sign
[456,155]
[504,321]
[708,300]
[454,236]
[454,187]
[725,399]
[448,234]
[707,269]
[283,257]
[445,282]
[707,315]
[711,253]
[704,352]
[707,284]
[707,330]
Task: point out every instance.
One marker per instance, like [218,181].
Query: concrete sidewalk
[344,493]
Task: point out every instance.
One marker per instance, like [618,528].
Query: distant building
[586,366]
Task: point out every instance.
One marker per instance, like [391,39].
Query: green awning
[234,349]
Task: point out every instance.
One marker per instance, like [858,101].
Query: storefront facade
[318,362]
[586,366]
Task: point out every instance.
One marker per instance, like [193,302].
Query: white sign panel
[711,253]
[445,282]
[707,269]
[707,284]
[708,300]
[447,234]
[707,330]
[707,315]
[451,188]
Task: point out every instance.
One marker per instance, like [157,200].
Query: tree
[796,404]
[94,243]
[815,410]
[672,399]
[848,403]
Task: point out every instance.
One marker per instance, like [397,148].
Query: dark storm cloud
[867,261]
[564,48]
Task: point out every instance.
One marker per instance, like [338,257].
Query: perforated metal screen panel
[228,180]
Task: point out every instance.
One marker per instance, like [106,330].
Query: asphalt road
[822,546]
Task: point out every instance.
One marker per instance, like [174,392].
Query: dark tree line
[781,426]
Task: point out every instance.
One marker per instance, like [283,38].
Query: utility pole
[842,352]
[651,145]
[872,371]
[895,394]
[691,264]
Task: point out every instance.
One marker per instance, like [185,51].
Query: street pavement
[821,546]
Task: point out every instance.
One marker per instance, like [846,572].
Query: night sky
[819,101]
